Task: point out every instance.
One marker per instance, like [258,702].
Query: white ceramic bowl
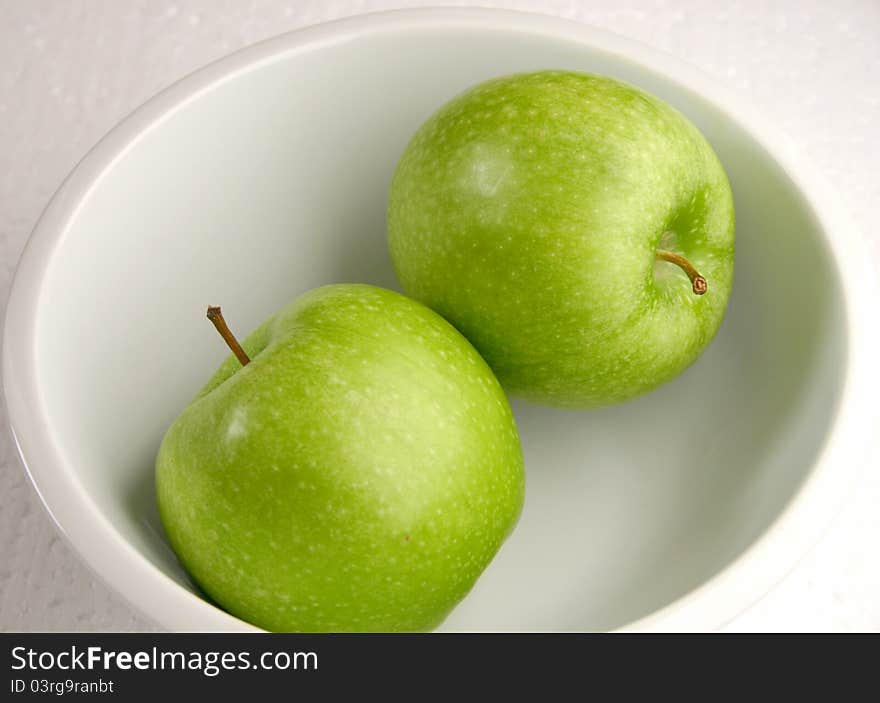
[266,174]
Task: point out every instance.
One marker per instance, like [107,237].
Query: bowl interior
[274,180]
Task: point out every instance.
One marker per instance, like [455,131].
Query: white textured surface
[69,71]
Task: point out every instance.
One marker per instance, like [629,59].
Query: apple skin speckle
[528,212]
[357,475]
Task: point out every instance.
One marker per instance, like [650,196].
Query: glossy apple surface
[530,211]
[357,475]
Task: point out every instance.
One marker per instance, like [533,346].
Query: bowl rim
[710,605]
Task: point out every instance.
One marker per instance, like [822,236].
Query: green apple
[358,473]
[578,231]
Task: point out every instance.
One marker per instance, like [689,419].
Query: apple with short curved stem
[539,213]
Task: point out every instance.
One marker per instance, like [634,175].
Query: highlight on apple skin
[577,230]
[357,473]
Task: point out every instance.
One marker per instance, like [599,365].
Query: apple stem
[215,316]
[697,281]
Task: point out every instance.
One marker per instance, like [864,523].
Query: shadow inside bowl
[275,181]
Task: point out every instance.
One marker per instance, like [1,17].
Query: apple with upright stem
[353,466]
